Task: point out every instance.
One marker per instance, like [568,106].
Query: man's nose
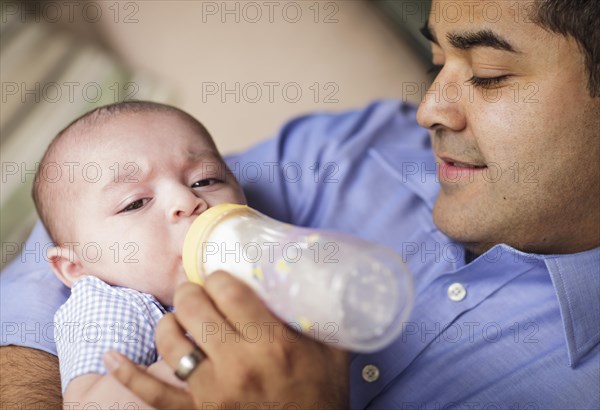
[443,104]
[185,203]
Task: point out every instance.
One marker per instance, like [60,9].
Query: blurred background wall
[243,68]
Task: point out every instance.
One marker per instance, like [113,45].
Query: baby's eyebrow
[202,155]
[130,173]
[203,158]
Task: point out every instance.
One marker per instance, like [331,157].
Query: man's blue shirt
[508,330]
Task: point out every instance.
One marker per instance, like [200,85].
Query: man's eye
[206,182]
[135,205]
[487,82]
[482,82]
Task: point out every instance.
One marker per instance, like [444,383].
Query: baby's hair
[49,196]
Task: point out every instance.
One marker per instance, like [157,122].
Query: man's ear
[65,264]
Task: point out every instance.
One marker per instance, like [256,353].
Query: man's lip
[460,163]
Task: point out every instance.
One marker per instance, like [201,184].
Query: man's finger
[242,306]
[151,390]
[172,344]
[196,312]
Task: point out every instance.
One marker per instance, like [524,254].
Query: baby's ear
[65,264]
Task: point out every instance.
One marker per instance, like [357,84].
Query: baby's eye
[206,182]
[135,205]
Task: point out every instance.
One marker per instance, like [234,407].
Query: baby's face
[156,175]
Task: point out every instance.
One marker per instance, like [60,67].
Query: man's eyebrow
[428,33]
[481,38]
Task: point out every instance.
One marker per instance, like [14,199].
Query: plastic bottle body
[336,288]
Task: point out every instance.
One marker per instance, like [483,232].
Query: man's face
[157,175]
[511,100]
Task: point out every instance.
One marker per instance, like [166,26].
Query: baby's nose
[187,205]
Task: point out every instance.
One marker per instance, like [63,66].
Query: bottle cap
[196,235]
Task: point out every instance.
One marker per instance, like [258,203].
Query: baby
[117,190]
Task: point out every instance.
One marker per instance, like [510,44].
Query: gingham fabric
[97,318]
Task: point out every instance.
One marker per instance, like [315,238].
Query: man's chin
[462,226]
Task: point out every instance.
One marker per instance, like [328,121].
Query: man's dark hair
[579,19]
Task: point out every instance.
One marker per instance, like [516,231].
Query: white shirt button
[456,292]
[370,373]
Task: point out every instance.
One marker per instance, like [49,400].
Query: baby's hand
[162,371]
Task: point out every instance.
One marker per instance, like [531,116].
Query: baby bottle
[333,287]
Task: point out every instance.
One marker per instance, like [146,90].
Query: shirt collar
[576,279]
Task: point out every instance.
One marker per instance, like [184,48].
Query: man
[503,241]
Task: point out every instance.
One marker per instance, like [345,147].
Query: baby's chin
[179,278]
[165,300]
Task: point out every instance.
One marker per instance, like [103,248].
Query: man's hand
[251,356]
[29,378]
[162,371]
